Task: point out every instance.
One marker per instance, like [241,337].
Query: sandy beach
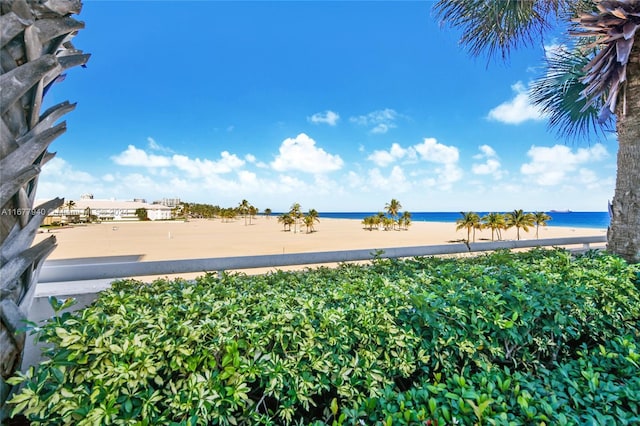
[202,238]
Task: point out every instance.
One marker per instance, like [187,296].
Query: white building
[104,210]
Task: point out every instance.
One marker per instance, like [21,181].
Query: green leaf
[334,406]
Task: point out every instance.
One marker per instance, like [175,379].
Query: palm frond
[497,27]
[559,93]
[613,26]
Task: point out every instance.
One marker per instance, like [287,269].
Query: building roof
[113,204]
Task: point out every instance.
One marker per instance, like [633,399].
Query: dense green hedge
[528,338]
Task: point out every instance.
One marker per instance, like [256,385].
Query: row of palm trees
[244,209]
[390,220]
[498,222]
[295,216]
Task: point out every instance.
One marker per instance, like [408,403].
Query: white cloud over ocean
[441,170]
[302,154]
[550,166]
[490,164]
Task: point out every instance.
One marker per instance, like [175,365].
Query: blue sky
[339,106]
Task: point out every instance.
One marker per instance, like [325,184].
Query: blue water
[567,219]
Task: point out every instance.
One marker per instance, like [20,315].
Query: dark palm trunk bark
[624,231]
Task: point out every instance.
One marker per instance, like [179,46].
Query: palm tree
[228,214]
[540,219]
[87,214]
[495,222]
[519,219]
[310,219]
[267,212]
[369,222]
[244,208]
[69,205]
[295,212]
[593,78]
[406,220]
[393,207]
[36,49]
[286,221]
[253,212]
[469,220]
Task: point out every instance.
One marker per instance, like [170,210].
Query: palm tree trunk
[624,231]
[36,49]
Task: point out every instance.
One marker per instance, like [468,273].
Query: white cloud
[133,156]
[380,121]
[554,49]
[485,152]
[355,180]
[445,158]
[382,128]
[154,146]
[136,157]
[429,150]
[302,154]
[328,117]
[395,182]
[552,165]
[383,158]
[489,167]
[491,164]
[250,158]
[199,168]
[58,168]
[433,151]
[517,110]
[60,179]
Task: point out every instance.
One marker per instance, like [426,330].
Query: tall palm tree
[468,221]
[69,205]
[244,208]
[495,222]
[540,219]
[87,214]
[519,219]
[393,207]
[595,77]
[36,49]
[295,211]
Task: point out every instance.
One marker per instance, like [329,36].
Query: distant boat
[560,211]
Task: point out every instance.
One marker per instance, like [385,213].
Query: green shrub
[503,338]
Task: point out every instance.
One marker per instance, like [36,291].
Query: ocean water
[567,219]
